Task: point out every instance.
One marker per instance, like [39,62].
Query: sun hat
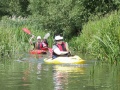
[38,37]
[58,38]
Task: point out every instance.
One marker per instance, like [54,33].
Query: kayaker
[60,48]
[39,44]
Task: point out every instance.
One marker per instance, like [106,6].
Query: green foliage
[12,38]
[4,7]
[100,6]
[58,16]
[101,38]
[68,17]
[14,7]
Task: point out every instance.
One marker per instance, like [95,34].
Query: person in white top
[60,48]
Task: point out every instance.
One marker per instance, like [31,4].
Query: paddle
[69,54]
[45,37]
[50,50]
[27,31]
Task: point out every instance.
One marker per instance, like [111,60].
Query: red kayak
[37,51]
[42,51]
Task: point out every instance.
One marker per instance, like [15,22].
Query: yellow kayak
[65,60]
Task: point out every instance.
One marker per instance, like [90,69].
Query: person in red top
[60,48]
[39,44]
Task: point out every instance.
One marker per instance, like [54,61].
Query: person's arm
[30,40]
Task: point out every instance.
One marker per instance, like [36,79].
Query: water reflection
[39,67]
[30,73]
[62,73]
[60,79]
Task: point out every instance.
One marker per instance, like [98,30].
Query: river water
[31,73]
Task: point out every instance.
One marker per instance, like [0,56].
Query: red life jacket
[62,46]
[39,45]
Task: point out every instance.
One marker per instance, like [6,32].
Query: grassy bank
[101,38]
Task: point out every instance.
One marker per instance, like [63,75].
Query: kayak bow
[65,60]
[37,51]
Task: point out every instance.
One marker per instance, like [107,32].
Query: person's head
[39,38]
[58,39]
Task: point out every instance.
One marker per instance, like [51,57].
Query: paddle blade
[50,51]
[26,30]
[46,35]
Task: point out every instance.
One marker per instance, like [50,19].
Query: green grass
[13,39]
[100,38]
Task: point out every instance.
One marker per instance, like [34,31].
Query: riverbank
[100,37]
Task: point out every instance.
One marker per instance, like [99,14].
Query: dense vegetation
[100,38]
[97,30]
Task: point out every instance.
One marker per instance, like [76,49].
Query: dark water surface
[30,73]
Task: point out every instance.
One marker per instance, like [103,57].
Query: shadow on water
[29,72]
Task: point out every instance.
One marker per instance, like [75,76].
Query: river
[31,73]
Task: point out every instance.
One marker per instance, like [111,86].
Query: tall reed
[101,38]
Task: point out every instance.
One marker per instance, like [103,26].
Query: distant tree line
[59,16]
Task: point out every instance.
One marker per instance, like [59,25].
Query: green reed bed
[100,38]
[12,38]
